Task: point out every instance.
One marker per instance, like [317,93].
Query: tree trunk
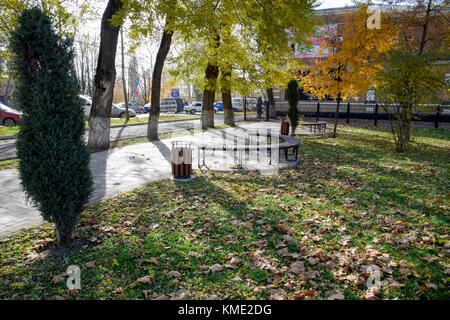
[63,235]
[228,112]
[105,76]
[209,91]
[7,95]
[401,134]
[88,76]
[423,40]
[407,125]
[272,111]
[124,84]
[83,81]
[189,93]
[336,115]
[163,51]
[212,73]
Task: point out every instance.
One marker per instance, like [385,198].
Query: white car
[238,103]
[87,104]
[116,110]
[196,107]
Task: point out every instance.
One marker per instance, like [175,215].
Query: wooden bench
[320,126]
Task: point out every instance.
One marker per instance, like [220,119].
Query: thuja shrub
[54,161]
[292,96]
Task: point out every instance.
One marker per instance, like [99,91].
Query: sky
[334,3]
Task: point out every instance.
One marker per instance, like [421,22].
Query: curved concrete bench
[287,143]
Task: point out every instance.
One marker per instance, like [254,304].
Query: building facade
[333,18]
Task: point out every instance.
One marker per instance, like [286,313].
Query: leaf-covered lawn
[308,233]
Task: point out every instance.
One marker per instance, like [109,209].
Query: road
[8,147]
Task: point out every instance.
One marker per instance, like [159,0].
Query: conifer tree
[54,161]
[292,95]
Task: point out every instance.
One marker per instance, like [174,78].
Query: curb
[8,137]
[146,123]
[9,158]
[14,136]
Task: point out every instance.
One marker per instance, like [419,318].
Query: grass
[350,203]
[145,120]
[4,131]
[241,113]
[9,164]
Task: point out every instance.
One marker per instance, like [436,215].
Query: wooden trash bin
[284,128]
[181,160]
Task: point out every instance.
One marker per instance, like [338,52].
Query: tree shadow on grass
[178,222]
[176,217]
[163,149]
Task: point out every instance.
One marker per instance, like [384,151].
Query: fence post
[438,113]
[245,108]
[348,112]
[318,111]
[375,120]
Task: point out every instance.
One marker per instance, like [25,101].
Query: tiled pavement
[114,171]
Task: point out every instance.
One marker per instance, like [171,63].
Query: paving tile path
[8,147]
[114,171]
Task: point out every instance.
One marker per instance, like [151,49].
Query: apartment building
[333,18]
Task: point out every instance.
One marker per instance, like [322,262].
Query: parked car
[87,103]
[168,105]
[147,107]
[238,104]
[133,106]
[219,106]
[251,103]
[181,103]
[172,105]
[196,107]
[9,117]
[118,112]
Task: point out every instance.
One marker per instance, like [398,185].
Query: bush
[410,82]
[292,95]
[54,161]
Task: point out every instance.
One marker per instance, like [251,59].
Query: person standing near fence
[259,108]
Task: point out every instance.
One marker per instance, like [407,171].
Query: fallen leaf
[174,274]
[337,296]
[297,267]
[145,280]
[216,268]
